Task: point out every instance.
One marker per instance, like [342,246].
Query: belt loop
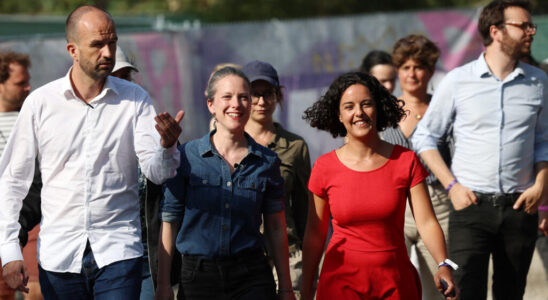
[479,197]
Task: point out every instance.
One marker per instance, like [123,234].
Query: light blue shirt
[500,127]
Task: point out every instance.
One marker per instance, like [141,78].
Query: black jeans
[492,227]
[243,276]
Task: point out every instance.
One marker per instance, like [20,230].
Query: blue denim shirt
[222,211]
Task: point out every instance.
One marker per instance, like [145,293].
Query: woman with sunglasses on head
[292,150]
[364,186]
[225,185]
[415,58]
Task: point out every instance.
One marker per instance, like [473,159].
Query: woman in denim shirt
[226,182]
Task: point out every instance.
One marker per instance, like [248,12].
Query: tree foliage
[238,10]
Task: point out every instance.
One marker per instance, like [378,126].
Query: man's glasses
[525,26]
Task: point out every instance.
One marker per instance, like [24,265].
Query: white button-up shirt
[88,158]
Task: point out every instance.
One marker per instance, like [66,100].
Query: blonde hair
[217,68]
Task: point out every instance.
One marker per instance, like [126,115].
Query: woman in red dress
[364,185]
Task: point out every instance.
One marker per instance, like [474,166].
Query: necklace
[417,116]
[414,107]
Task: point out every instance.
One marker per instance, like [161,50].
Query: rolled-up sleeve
[437,119]
[541,129]
[173,204]
[157,163]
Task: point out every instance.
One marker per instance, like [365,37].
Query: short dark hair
[418,48]
[373,58]
[324,114]
[73,19]
[10,57]
[220,74]
[493,14]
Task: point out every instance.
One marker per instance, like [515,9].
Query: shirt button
[229,183]
[225,228]
[227,206]
[204,181]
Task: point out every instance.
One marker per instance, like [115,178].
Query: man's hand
[169,128]
[16,276]
[462,197]
[530,198]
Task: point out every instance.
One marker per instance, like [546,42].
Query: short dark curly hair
[493,14]
[324,114]
[418,48]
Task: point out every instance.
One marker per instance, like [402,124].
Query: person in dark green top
[291,149]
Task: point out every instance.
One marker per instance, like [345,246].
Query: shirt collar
[69,93]
[205,146]
[482,69]
[279,138]
[67,89]
[519,69]
[110,85]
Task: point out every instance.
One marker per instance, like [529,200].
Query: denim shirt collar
[205,146]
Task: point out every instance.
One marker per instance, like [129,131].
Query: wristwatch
[448,263]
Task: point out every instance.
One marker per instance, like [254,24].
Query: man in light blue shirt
[498,107]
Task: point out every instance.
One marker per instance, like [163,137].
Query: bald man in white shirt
[88,130]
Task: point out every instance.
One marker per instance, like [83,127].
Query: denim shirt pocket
[250,192]
[204,192]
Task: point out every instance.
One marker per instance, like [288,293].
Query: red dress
[366,257]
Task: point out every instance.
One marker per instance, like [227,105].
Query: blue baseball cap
[259,70]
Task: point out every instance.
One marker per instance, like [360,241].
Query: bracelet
[448,263]
[448,188]
[444,265]
[543,208]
